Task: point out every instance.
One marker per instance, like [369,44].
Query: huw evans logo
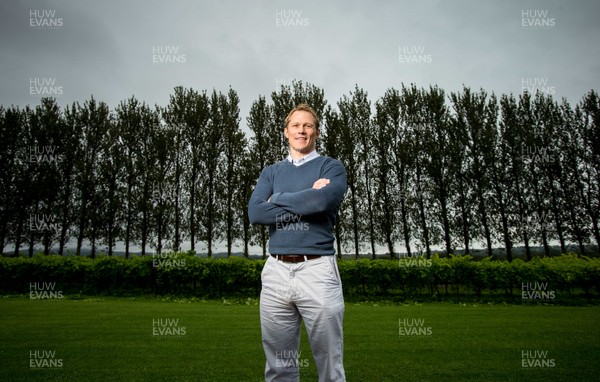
[533,84]
[44,19]
[536,292]
[167,54]
[44,359]
[535,222]
[44,86]
[537,19]
[290,222]
[43,223]
[289,290]
[167,327]
[413,327]
[418,261]
[539,154]
[44,291]
[162,191]
[536,358]
[413,54]
[284,81]
[284,291]
[289,18]
[290,359]
[44,154]
[167,260]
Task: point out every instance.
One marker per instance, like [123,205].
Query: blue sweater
[300,218]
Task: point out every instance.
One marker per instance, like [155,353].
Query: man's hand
[320,183]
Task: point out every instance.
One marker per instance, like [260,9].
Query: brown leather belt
[295,258]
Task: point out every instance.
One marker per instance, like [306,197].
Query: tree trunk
[422,213]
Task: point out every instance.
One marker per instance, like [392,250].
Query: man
[298,198]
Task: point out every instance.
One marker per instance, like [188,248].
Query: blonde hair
[303,107]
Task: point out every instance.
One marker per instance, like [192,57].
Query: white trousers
[292,292]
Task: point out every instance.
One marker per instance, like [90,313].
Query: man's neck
[299,160]
[299,155]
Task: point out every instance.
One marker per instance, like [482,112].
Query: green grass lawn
[113,339]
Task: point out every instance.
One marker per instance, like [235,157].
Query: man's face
[301,132]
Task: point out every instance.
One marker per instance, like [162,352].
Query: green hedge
[454,277]
[173,275]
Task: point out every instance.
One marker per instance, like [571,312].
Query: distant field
[256,253]
[128,339]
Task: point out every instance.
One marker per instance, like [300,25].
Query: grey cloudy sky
[113,49]
[105,48]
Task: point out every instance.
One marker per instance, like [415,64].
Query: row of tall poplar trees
[425,169]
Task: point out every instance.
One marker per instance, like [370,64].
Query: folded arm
[260,210]
[326,193]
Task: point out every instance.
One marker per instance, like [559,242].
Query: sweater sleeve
[312,201]
[260,211]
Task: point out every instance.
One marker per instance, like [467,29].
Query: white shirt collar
[304,159]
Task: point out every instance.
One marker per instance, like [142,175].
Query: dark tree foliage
[425,170]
